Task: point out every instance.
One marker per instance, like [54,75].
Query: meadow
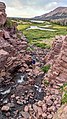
[41,38]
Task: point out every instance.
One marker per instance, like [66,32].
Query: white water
[6,91]
[20,80]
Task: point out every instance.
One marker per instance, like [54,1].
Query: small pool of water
[36,27]
[36,21]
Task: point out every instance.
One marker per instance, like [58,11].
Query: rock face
[2,13]
[12,48]
[58,55]
[61,113]
[56,47]
[12,52]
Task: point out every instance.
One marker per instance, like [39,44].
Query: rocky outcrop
[12,52]
[2,13]
[61,113]
[56,47]
[58,71]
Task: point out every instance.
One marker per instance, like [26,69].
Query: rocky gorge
[24,90]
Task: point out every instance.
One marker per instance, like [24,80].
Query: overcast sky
[31,8]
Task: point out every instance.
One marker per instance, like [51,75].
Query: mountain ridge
[59,12]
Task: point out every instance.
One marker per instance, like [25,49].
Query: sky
[31,8]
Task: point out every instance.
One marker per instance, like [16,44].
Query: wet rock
[49,116]
[40,103]
[8,114]
[13,96]
[31,81]
[26,108]
[28,59]
[35,108]
[5,108]
[6,34]
[25,115]
[40,111]
[44,107]
[49,102]
[44,115]
[1,33]
[3,57]
[19,102]
[52,109]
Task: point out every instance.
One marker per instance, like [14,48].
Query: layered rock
[56,47]
[13,45]
[12,51]
[2,13]
[58,71]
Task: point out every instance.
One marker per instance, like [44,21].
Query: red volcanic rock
[58,70]
[6,34]
[3,56]
[13,47]
[56,47]
[2,13]
[1,33]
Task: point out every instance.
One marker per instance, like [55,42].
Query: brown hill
[60,12]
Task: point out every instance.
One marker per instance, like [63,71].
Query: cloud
[30,8]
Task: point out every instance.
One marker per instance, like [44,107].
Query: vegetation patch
[46,82]
[45,68]
[22,27]
[64,93]
[8,23]
[42,45]
[36,35]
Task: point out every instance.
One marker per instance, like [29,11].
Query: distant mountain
[60,12]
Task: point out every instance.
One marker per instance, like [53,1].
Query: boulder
[3,56]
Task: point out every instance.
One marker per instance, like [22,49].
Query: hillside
[60,12]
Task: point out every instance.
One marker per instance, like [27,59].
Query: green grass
[34,35]
[64,96]
[22,27]
[45,68]
[42,45]
[46,82]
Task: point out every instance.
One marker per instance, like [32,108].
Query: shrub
[64,95]
[8,23]
[45,68]
[64,98]
[46,82]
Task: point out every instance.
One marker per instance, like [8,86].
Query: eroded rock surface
[61,113]
[2,13]
[58,70]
